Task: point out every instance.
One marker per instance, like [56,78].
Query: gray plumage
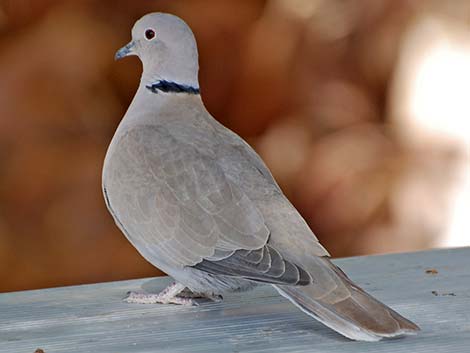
[198,202]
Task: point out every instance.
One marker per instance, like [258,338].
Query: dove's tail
[358,316]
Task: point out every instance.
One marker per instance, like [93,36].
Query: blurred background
[360,108]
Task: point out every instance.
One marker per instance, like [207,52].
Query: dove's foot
[173,294]
[152,298]
[166,296]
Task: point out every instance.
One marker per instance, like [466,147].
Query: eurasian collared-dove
[198,202]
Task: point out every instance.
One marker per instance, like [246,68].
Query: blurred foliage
[304,81]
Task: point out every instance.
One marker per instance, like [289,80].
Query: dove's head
[167,48]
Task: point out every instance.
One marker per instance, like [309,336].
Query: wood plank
[92,318]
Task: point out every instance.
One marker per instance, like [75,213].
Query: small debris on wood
[432,271]
[443,294]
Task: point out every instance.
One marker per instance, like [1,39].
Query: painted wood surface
[431,288]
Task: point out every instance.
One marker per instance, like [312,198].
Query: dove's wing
[180,207]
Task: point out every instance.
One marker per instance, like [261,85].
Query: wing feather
[257,266]
[178,204]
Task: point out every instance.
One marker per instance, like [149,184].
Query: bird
[199,203]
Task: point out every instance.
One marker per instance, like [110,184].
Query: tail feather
[358,316]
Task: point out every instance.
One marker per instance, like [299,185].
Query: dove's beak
[126,50]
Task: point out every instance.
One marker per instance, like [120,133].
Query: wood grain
[92,318]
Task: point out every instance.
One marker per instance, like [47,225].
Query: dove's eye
[149,34]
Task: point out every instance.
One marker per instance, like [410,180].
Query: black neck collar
[171,87]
